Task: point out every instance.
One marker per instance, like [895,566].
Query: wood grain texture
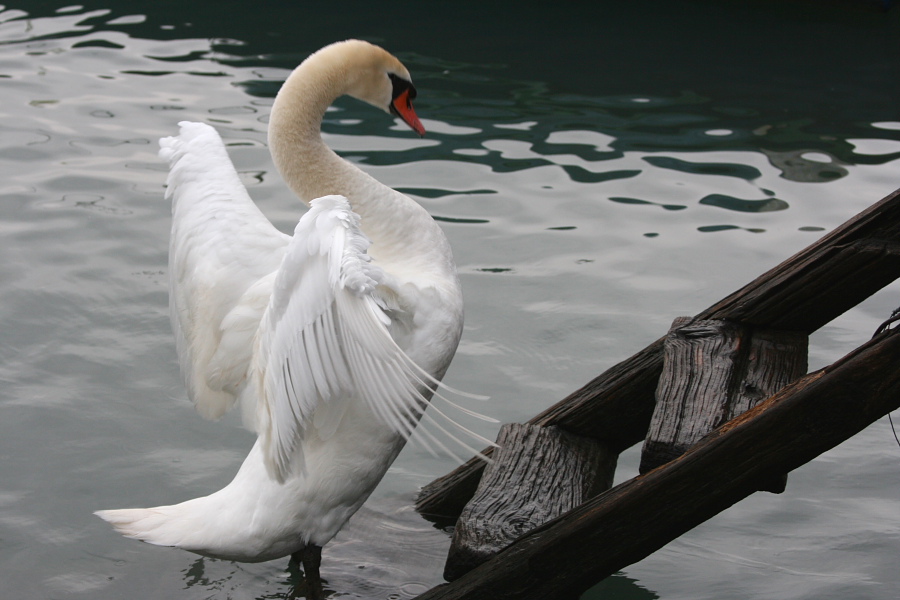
[801,294]
[774,359]
[714,370]
[538,473]
[700,359]
[622,526]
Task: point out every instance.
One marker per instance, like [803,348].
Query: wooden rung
[538,473]
[713,371]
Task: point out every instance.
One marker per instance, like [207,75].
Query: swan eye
[401,85]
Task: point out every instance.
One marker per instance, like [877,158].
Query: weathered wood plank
[700,361]
[538,473]
[713,371]
[566,556]
[775,359]
[803,293]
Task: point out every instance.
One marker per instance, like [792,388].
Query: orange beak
[403,108]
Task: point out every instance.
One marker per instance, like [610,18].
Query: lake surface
[598,171]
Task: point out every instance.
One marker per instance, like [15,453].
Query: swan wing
[324,341]
[223,254]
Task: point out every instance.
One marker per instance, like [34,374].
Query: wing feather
[324,341]
[222,254]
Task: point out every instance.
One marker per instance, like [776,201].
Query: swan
[333,340]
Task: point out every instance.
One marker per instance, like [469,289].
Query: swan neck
[312,170]
[295,124]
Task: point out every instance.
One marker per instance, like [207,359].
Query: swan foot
[311,558]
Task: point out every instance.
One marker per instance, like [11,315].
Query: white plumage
[332,339]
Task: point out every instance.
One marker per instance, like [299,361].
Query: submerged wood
[713,371]
[803,293]
[634,519]
[538,473]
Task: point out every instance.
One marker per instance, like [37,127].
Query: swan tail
[158,526]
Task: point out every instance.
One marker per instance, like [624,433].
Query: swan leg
[311,558]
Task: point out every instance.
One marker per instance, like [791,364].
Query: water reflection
[805,166]
[705,168]
[620,587]
[741,205]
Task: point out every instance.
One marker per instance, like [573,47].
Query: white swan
[333,346]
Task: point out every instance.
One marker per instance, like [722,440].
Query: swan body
[333,340]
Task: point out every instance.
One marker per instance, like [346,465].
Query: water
[598,175]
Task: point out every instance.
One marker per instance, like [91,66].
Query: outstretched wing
[324,340]
[223,254]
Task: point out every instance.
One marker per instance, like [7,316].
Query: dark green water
[599,170]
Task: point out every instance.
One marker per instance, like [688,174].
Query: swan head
[369,73]
[354,68]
